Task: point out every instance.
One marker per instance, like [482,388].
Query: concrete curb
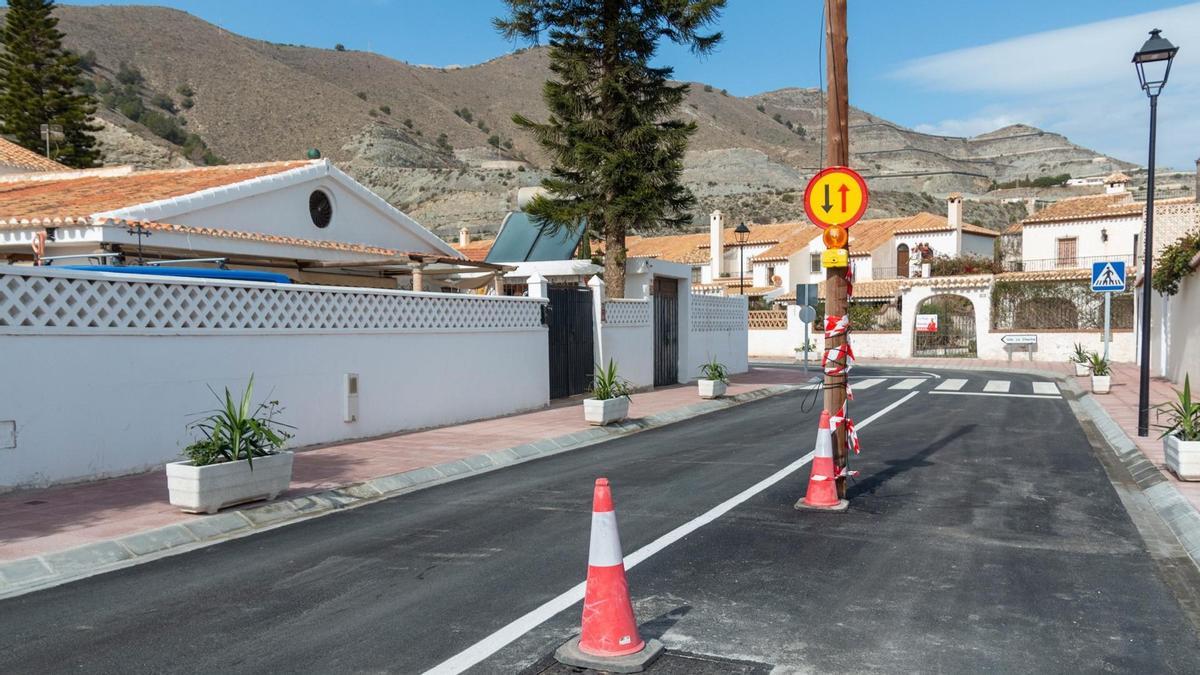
[1179,515]
[24,575]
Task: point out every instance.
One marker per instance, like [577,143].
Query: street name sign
[927,323]
[1108,276]
[1019,339]
[835,196]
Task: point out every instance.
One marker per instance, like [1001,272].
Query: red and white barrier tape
[839,418]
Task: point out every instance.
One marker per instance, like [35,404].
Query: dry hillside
[380,118]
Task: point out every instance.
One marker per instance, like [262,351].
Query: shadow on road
[870,484]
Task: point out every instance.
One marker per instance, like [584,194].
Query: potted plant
[1181,434]
[238,458]
[714,377]
[808,347]
[1101,374]
[1081,359]
[610,397]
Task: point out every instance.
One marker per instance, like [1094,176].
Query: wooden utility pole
[837,153]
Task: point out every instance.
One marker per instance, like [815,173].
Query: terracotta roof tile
[680,248]
[1092,207]
[254,236]
[476,250]
[12,154]
[90,194]
[928,222]
[798,238]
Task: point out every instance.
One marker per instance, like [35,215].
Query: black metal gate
[666,331]
[949,323]
[570,324]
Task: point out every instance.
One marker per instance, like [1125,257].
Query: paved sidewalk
[38,522]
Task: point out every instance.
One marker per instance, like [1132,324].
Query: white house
[306,219]
[1076,231]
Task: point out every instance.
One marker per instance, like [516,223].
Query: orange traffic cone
[609,638]
[822,487]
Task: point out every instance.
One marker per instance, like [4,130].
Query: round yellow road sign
[836,196]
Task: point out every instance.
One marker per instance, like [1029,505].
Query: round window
[320,208]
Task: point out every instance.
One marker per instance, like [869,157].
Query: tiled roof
[680,248]
[1092,207]
[73,198]
[876,289]
[12,154]
[253,236]
[928,222]
[1015,228]
[771,233]
[1047,275]
[799,237]
[1117,177]
[475,250]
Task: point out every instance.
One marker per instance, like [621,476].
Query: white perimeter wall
[626,336]
[718,328]
[1181,343]
[107,385]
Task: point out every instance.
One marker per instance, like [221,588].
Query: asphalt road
[984,536]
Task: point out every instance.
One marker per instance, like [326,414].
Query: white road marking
[997,385]
[995,393]
[1045,388]
[950,385]
[907,383]
[865,384]
[493,643]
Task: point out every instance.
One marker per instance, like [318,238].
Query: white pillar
[418,277]
[538,286]
[597,286]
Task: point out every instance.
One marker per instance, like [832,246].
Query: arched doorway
[945,327]
[902,260]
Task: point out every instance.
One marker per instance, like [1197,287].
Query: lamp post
[1153,63]
[741,233]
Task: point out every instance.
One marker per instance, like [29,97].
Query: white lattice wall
[45,299]
[627,312]
[715,313]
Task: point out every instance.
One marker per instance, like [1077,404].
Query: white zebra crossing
[950,385]
[866,384]
[1000,386]
[908,383]
[1045,388]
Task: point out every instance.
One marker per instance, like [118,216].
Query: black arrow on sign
[827,205]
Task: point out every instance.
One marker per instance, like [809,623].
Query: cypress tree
[617,154]
[39,84]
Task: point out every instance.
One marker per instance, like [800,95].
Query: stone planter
[1082,370]
[1101,384]
[601,412]
[1183,457]
[711,388]
[207,489]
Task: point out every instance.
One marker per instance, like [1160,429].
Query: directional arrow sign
[847,208]
[1019,339]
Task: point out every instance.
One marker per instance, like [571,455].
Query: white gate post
[538,286]
[597,286]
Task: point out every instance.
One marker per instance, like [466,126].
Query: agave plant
[237,430]
[1183,414]
[714,370]
[608,384]
[1098,364]
[1080,354]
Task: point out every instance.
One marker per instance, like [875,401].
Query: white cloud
[1076,81]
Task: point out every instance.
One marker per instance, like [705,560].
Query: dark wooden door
[570,324]
[666,332]
[902,260]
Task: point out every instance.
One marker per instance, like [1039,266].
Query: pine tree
[40,84]
[617,154]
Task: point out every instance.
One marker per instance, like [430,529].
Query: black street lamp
[741,233]
[1153,63]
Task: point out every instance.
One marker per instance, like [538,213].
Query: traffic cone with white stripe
[609,638]
[822,485]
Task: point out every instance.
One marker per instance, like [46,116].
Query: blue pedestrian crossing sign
[1108,276]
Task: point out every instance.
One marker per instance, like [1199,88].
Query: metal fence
[1057,305]
[1066,263]
[880,317]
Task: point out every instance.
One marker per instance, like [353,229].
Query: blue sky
[947,66]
